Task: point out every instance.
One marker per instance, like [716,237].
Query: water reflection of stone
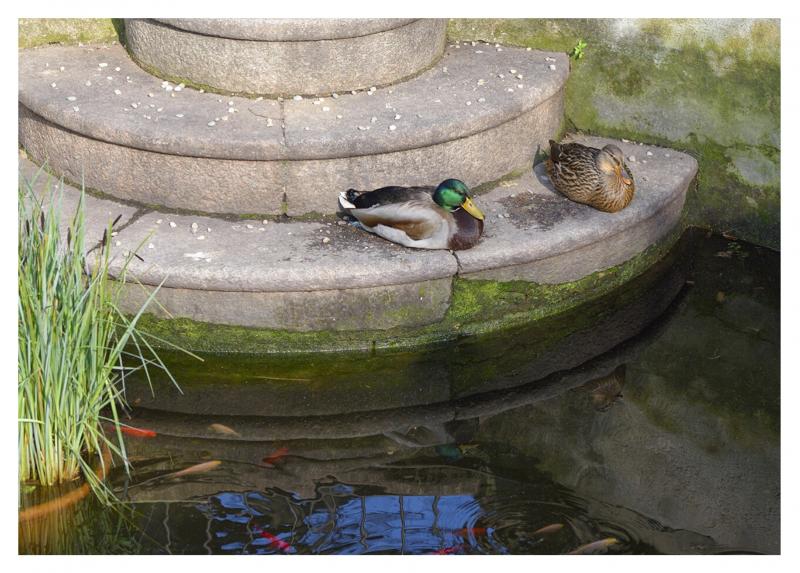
[351,384]
[686,462]
[444,383]
[694,443]
[375,448]
[350,446]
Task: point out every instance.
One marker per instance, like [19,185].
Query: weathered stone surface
[249,256]
[154,123]
[376,308]
[461,96]
[533,233]
[212,168]
[272,187]
[173,181]
[99,213]
[292,276]
[287,67]
[440,105]
[485,156]
[286,29]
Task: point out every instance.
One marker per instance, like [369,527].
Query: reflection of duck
[421,217]
[606,390]
[596,177]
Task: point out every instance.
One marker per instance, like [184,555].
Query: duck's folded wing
[393,195]
[417,219]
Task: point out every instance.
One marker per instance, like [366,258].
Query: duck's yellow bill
[472,209]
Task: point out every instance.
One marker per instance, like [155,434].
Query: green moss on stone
[514,303]
[42,31]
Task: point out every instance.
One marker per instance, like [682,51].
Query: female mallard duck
[421,217]
[591,176]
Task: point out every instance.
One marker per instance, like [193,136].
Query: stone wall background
[708,87]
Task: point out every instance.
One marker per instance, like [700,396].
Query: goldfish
[137,432]
[448,550]
[223,429]
[595,546]
[276,541]
[68,499]
[275,456]
[553,528]
[195,469]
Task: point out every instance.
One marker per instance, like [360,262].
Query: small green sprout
[577,51]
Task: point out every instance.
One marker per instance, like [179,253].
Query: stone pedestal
[286,57]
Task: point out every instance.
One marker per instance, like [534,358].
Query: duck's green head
[452,194]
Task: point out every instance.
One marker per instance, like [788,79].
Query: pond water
[650,416]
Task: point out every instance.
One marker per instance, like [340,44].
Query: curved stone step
[460,119]
[329,276]
[286,57]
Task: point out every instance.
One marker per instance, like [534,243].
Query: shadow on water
[650,416]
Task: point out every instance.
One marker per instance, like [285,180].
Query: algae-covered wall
[39,31]
[710,87]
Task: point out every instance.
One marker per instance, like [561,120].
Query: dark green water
[651,416]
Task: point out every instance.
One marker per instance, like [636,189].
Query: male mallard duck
[421,217]
[591,176]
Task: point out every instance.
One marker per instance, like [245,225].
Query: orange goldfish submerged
[275,456]
[195,469]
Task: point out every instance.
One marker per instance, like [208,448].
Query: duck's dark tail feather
[351,194]
[555,150]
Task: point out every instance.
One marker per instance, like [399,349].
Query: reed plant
[75,344]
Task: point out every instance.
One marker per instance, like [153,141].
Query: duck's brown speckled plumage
[585,175]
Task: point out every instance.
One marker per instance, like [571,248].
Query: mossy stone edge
[476,307]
